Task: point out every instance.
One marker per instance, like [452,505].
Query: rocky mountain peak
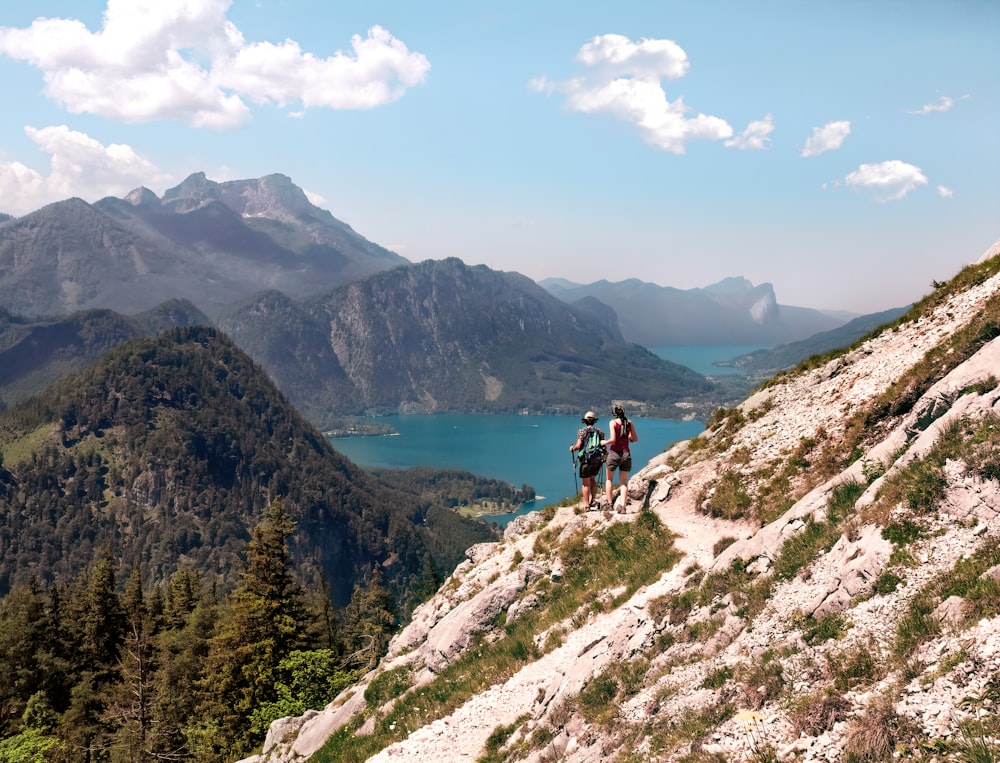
[142,196]
[195,191]
[273,196]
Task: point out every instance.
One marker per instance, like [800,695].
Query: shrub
[859,665]
[877,733]
[903,533]
[730,499]
[718,678]
[829,626]
[722,544]
[762,681]
[816,714]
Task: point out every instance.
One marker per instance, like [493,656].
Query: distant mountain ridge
[444,336]
[732,311]
[211,243]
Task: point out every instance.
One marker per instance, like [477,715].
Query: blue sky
[846,151]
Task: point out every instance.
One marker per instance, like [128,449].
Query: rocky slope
[833,593]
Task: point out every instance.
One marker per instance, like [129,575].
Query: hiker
[590,461]
[619,456]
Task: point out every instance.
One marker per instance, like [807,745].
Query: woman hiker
[619,457]
[589,468]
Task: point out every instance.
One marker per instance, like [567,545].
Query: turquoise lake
[701,358]
[520,449]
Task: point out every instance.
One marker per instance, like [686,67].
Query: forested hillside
[168,451]
[37,352]
[183,558]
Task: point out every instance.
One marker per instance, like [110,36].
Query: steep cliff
[813,578]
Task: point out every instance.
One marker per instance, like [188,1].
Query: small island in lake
[343,428]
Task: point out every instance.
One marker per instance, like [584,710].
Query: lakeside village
[471,495]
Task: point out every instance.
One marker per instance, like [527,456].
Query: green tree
[308,680]
[189,614]
[36,742]
[22,615]
[93,619]
[263,623]
[368,623]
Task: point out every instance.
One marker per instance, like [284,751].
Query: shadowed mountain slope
[35,353]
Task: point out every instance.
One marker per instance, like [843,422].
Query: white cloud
[623,79]
[756,137]
[945,103]
[80,166]
[184,60]
[827,138]
[887,181]
[944,191]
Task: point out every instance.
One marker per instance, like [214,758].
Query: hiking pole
[572,463]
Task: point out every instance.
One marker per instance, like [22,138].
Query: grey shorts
[618,460]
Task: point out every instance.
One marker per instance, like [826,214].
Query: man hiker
[619,456]
[588,442]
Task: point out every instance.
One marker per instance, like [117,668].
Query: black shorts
[589,468]
[618,460]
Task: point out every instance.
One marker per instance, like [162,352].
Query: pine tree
[368,623]
[21,621]
[189,614]
[264,622]
[131,708]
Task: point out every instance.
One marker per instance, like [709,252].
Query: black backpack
[592,451]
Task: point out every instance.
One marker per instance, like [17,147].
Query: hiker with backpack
[591,455]
[619,456]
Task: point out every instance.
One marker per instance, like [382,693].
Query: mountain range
[210,243]
[345,326]
[732,311]
[444,336]
[342,325]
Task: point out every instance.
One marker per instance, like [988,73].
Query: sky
[845,151]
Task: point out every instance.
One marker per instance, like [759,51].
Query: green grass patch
[388,685]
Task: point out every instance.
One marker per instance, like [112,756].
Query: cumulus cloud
[944,191]
[623,78]
[944,104]
[184,60]
[756,137]
[80,166]
[887,181]
[826,138]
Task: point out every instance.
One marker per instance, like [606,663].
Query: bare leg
[623,483]
[609,490]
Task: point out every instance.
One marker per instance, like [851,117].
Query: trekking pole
[572,463]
